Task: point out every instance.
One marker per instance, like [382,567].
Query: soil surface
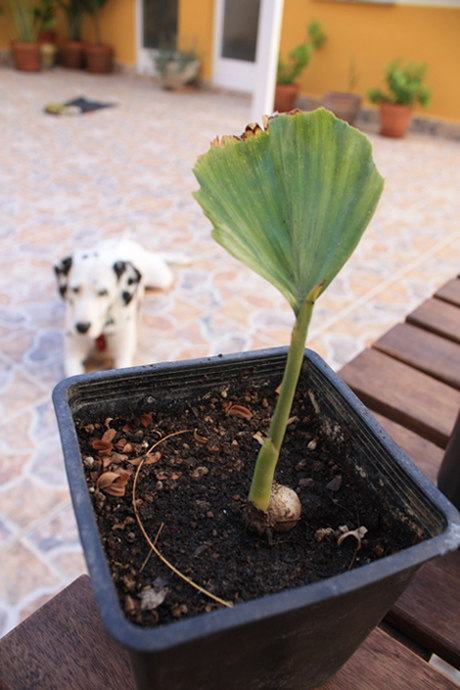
[190,495]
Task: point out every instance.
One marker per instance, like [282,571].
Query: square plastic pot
[293,640]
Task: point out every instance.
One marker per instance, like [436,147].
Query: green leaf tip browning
[290,199]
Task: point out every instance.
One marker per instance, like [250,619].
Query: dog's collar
[101,343]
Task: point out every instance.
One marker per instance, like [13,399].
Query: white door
[156,24]
[236,29]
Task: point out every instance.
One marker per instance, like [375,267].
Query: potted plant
[404,89]
[176,68]
[72,48]
[25,47]
[287,88]
[160,451]
[45,13]
[345,104]
[98,56]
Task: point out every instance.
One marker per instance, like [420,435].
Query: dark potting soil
[190,494]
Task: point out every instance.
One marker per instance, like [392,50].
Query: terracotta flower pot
[72,54]
[285,97]
[26,56]
[346,106]
[394,119]
[98,58]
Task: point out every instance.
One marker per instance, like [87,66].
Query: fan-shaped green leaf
[291,201]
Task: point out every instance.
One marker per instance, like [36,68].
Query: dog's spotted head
[95,290]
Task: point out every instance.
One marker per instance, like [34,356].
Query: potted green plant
[291,201]
[287,88]
[345,104]
[176,68]
[404,90]
[45,13]
[25,47]
[72,48]
[98,56]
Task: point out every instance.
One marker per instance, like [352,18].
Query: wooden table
[410,379]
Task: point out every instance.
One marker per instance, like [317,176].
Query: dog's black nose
[83,327]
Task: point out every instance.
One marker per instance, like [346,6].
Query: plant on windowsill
[287,88]
[98,55]
[405,89]
[345,104]
[72,48]
[176,68]
[170,448]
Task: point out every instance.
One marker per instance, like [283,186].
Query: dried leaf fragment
[259,437]
[152,598]
[102,447]
[146,419]
[239,411]
[109,435]
[113,483]
[201,440]
[358,534]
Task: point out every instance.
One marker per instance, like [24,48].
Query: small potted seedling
[298,238]
[345,104]
[405,89]
[291,200]
[289,70]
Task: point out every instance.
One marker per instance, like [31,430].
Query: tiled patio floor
[66,182]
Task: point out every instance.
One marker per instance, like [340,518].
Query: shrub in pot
[25,47]
[287,88]
[345,104]
[176,68]
[291,201]
[98,56]
[404,90]
[72,48]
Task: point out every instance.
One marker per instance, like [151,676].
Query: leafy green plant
[26,26]
[300,56]
[290,201]
[167,54]
[74,11]
[404,84]
[93,8]
[45,14]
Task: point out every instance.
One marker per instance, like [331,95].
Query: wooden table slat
[429,610]
[404,395]
[384,664]
[423,350]
[450,292]
[439,317]
[64,645]
[426,455]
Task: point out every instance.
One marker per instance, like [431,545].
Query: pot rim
[181,632]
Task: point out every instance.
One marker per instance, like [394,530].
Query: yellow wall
[371,34]
[118,28]
[195,30]
[374,35]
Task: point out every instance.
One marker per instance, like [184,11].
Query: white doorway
[236,28]
[156,24]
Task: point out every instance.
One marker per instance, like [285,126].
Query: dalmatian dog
[102,288]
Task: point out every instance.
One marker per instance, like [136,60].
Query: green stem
[267,459]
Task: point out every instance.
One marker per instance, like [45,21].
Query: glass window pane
[160,23]
[241,18]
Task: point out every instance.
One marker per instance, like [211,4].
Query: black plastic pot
[295,639]
[449,472]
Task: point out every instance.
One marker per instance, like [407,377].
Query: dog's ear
[129,278]
[61,270]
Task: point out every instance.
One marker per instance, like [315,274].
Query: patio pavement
[66,182]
